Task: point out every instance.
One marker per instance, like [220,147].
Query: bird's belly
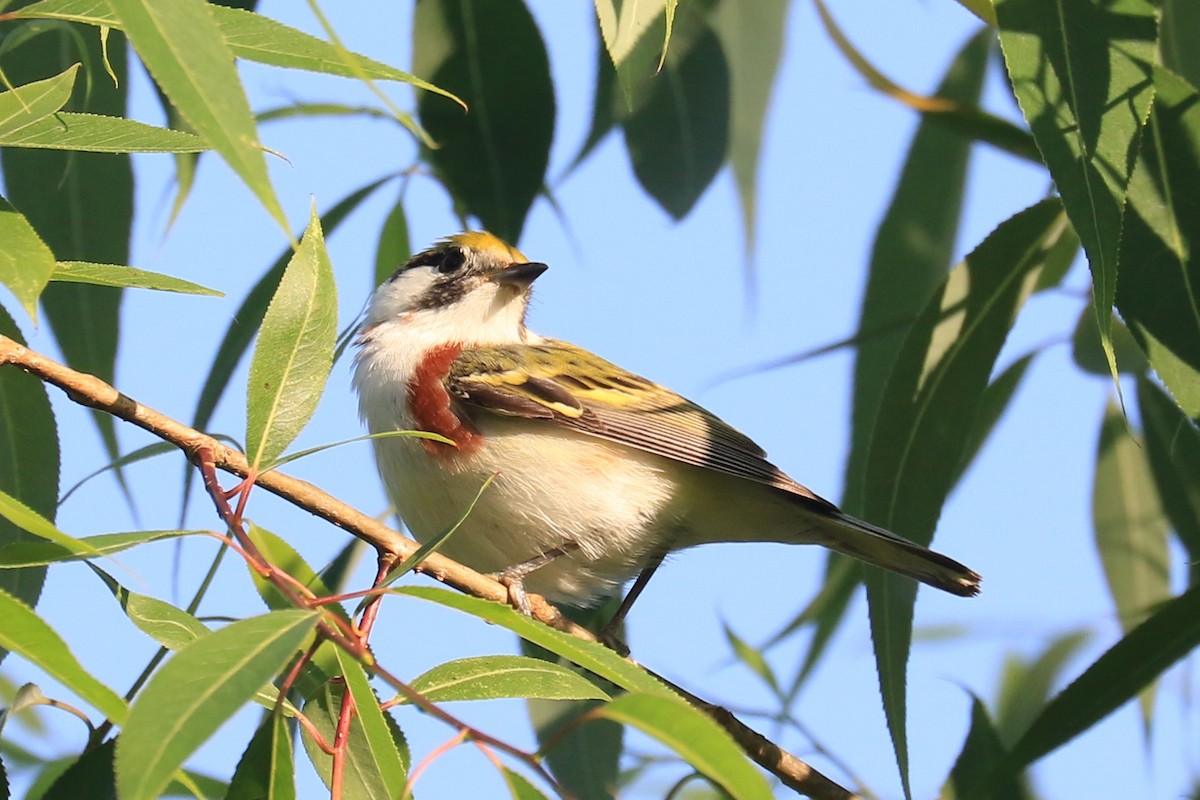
[609,506]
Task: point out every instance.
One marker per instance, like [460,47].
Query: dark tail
[882,548]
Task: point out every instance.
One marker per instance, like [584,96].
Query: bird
[593,474]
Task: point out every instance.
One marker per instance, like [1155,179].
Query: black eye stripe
[444,261]
[452,259]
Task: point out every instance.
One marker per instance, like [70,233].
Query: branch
[90,391]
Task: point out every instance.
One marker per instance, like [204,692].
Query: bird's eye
[451,260]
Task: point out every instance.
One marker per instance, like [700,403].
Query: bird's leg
[514,577]
[608,634]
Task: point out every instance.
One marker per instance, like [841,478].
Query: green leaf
[1173,447]
[395,247]
[678,137]
[40,553]
[25,105]
[294,352]
[590,655]
[1159,290]
[361,779]
[992,406]
[981,753]
[203,685]
[692,734]
[30,521]
[752,658]
[123,276]
[982,9]
[751,34]
[29,461]
[284,556]
[184,50]
[493,158]
[170,626]
[926,421]
[1081,73]
[82,204]
[90,776]
[267,769]
[26,263]
[913,250]
[385,750]
[1025,685]
[1131,530]
[95,133]
[1088,351]
[519,788]
[24,633]
[253,37]
[249,315]
[1116,677]
[494,677]
[635,35]
[586,759]
[1177,35]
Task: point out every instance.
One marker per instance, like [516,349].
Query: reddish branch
[392,547]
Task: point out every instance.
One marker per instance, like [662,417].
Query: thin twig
[92,392]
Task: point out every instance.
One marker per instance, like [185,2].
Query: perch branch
[90,391]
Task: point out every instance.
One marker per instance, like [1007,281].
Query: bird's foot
[610,637]
[513,577]
[517,597]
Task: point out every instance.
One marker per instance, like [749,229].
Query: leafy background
[680,302]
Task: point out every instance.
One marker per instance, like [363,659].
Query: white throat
[396,338]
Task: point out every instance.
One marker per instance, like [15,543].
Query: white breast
[553,487]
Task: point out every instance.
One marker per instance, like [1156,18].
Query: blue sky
[666,300]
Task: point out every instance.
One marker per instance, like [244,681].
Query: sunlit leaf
[26,634]
[32,102]
[361,779]
[95,133]
[266,770]
[203,685]
[1158,293]
[249,315]
[123,276]
[294,352]
[693,735]
[39,553]
[494,677]
[80,203]
[186,53]
[590,655]
[678,136]
[254,37]
[383,745]
[26,263]
[927,417]
[1081,72]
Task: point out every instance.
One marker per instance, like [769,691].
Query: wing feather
[566,386]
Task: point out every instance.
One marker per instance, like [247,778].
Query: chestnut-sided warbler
[599,472]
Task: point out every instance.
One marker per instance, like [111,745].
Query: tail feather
[880,547]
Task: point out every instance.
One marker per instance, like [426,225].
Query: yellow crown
[484,242]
